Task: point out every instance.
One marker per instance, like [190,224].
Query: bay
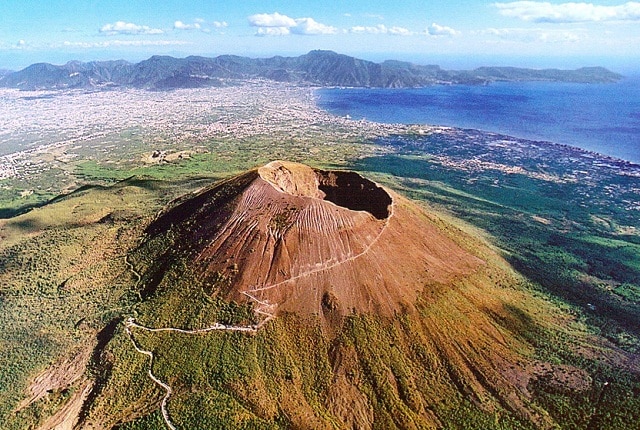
[603,118]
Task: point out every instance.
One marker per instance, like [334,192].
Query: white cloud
[359,29]
[18,46]
[441,30]
[271,20]
[534,35]
[275,24]
[569,12]
[380,29]
[400,31]
[117,43]
[179,25]
[310,26]
[220,24]
[273,31]
[564,36]
[500,32]
[121,27]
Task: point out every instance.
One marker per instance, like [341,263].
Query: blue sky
[466,33]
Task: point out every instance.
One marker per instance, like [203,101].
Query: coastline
[72,138]
[599,118]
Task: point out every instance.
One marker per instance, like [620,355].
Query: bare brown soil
[67,417]
[57,377]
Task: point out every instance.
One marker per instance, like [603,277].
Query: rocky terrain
[306,240]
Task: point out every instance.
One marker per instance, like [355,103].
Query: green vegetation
[215,160]
[541,228]
[629,292]
[63,279]
[196,165]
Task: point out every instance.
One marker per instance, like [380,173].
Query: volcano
[294,297]
[295,239]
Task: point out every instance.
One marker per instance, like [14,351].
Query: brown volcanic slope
[371,313]
[296,238]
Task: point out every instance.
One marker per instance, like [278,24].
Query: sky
[460,34]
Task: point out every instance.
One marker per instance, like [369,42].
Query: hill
[299,298]
[320,68]
[305,240]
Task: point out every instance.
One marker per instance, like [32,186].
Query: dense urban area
[53,132]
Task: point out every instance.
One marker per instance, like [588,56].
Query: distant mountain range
[321,68]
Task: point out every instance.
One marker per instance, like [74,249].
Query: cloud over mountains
[441,30]
[276,24]
[531,28]
[569,12]
[122,27]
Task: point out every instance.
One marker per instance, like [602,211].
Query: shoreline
[59,138]
[433,104]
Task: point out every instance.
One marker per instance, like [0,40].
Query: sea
[603,118]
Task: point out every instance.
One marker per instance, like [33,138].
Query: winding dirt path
[167,388]
[264,308]
[217,326]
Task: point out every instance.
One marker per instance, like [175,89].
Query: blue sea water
[604,118]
